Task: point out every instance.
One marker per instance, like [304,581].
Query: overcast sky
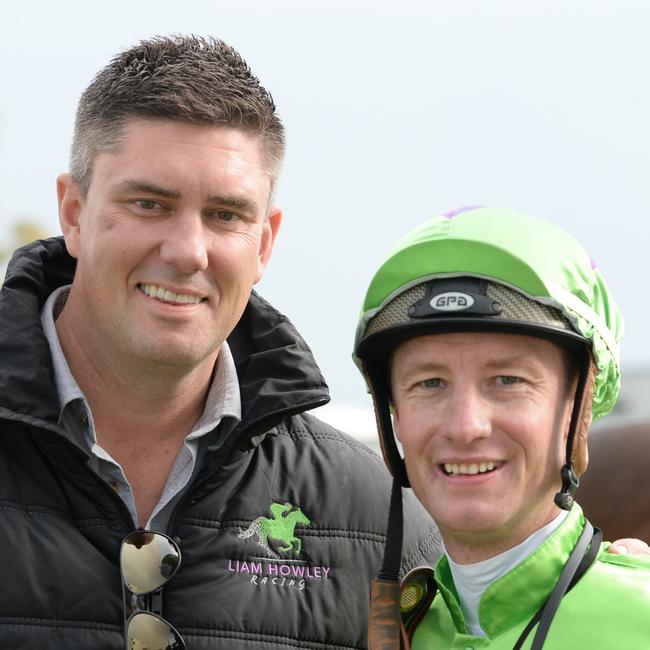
[394,112]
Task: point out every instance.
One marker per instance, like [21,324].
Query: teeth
[159,292]
[473,468]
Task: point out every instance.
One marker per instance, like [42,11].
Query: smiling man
[161,482]
[167,248]
[489,341]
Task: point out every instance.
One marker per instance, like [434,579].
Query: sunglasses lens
[148,561]
[149,632]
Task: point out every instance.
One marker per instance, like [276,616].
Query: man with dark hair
[162,484]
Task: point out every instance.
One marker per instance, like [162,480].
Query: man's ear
[70,200]
[580,449]
[270,229]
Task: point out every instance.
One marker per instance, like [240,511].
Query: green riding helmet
[482,269]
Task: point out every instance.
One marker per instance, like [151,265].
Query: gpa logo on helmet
[451,301]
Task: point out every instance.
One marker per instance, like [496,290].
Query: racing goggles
[148,561]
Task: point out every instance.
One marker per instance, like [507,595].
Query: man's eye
[224,215]
[434,382]
[508,380]
[147,204]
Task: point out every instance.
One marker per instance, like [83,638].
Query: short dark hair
[190,79]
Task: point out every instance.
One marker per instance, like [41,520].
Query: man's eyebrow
[499,363]
[236,202]
[425,365]
[145,187]
[522,359]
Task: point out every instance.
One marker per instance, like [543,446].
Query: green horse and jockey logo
[279,528]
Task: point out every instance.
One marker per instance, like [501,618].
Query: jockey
[489,341]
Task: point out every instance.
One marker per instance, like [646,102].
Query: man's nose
[185,245]
[467,416]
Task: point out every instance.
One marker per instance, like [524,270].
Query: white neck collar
[471,580]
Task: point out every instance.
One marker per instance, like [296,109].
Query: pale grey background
[394,111]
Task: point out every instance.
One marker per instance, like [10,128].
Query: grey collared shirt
[221,413]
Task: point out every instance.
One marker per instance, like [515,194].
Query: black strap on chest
[582,557]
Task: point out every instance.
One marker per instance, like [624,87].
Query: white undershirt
[471,580]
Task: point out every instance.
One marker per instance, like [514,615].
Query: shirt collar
[66,385]
[517,595]
[472,580]
[223,400]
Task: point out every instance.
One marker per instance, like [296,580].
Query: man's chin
[164,354]
[474,523]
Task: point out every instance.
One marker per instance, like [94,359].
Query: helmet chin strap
[384,624]
[570,482]
[564,498]
[380,392]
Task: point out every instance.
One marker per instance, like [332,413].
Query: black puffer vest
[61,524]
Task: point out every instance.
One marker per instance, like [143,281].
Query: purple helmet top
[466,208]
